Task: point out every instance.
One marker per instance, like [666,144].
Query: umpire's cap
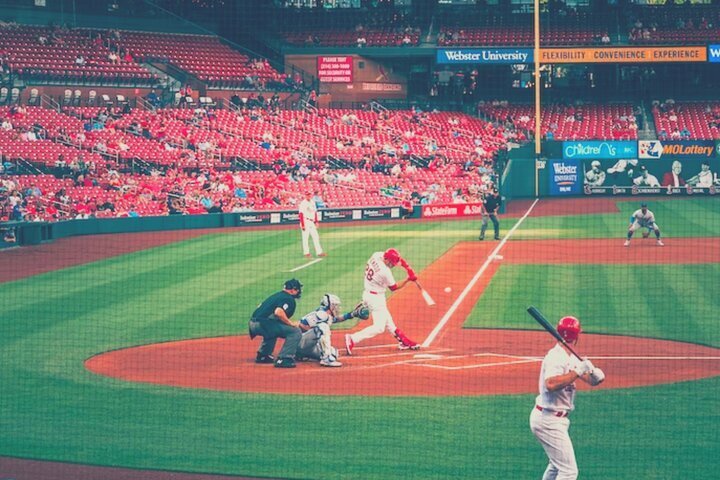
[294,284]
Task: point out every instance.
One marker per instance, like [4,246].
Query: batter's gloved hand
[597,376]
[583,367]
[361,311]
[411,275]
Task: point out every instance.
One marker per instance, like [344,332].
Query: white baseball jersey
[378,276]
[705,179]
[649,180]
[644,219]
[308,210]
[557,362]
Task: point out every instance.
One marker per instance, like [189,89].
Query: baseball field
[131,351]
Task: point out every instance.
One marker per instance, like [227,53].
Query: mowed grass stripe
[662,301]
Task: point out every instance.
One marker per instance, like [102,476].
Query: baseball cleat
[330,363]
[307,255]
[285,362]
[264,359]
[627,243]
[402,346]
[349,344]
[322,254]
[660,243]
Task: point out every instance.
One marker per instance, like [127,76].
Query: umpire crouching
[271,320]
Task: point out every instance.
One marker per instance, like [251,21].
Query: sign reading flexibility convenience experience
[624,55]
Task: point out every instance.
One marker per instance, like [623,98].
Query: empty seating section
[374,37]
[381,28]
[674,25]
[687,120]
[570,122]
[56,59]
[486,29]
[203,56]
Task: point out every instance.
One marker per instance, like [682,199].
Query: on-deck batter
[549,420]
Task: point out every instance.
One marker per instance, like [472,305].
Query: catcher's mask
[331,303]
[294,284]
[569,329]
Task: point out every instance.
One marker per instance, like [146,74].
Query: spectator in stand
[361,41]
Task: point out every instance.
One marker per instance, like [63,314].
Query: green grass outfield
[52,408]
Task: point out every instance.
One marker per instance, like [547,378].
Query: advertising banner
[485,55]
[624,55]
[657,176]
[683,149]
[565,177]
[596,149]
[451,210]
[714,53]
[338,69]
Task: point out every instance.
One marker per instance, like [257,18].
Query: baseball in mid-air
[448,289]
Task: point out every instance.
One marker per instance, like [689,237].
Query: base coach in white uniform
[549,420]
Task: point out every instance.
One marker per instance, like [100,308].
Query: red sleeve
[302,220]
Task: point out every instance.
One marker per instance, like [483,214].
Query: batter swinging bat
[540,318]
[426,296]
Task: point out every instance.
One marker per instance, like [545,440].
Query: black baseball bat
[540,318]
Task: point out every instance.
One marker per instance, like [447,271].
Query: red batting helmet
[391,256]
[569,328]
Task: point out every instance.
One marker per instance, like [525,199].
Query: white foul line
[474,280]
[306,265]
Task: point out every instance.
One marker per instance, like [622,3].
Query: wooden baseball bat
[540,318]
[426,296]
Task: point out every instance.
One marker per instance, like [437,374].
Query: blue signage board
[597,149]
[565,177]
[485,55]
[714,53]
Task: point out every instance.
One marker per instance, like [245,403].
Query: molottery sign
[654,149]
[589,150]
[485,55]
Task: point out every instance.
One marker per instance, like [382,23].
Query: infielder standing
[549,418]
[308,226]
[643,218]
[378,278]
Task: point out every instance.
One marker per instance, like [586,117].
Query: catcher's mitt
[361,311]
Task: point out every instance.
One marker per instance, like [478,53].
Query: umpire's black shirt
[277,300]
[491,202]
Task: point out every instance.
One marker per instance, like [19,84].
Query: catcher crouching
[316,340]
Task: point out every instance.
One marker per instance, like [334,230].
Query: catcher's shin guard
[404,343]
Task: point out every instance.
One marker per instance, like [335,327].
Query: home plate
[430,356]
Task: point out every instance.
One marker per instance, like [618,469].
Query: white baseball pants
[381,318]
[552,433]
[310,231]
